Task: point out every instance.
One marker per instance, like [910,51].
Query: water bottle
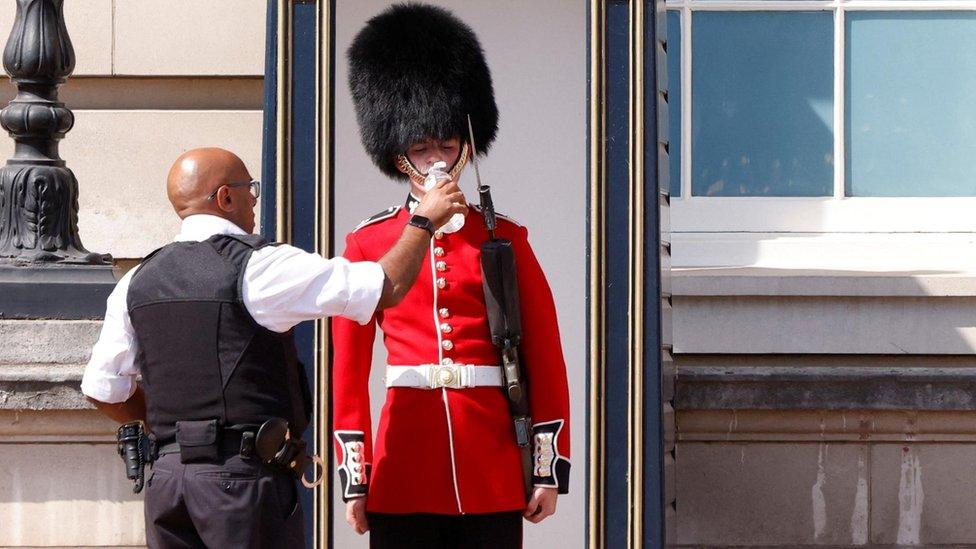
[435,174]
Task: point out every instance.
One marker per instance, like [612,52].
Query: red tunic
[447,451]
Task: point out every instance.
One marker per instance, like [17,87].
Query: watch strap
[421,222]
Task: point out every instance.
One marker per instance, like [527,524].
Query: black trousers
[487,531]
[237,503]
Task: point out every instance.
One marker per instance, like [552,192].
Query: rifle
[500,285]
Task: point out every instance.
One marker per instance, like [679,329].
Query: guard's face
[424,154]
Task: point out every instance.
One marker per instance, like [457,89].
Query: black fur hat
[417,71]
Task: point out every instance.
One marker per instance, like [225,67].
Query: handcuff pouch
[198,440]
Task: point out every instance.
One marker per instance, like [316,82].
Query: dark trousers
[488,531]
[233,504]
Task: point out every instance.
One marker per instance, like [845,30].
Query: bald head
[198,173]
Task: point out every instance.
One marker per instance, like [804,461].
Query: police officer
[444,469]
[206,321]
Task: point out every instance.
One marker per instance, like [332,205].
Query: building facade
[823,262]
[814,158]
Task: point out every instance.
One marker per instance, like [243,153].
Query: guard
[445,469]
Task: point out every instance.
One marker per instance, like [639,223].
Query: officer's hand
[441,202]
[542,505]
[356,515]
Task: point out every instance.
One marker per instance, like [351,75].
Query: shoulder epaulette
[385,214]
[499,216]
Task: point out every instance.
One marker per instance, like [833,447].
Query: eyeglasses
[255,188]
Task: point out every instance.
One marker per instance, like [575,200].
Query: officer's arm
[402,263]
[109,381]
[133,409]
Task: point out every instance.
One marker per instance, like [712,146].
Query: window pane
[762,104]
[674,100]
[911,114]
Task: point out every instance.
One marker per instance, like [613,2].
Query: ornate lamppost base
[39,216]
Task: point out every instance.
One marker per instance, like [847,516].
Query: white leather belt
[452,376]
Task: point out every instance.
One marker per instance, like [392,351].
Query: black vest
[201,354]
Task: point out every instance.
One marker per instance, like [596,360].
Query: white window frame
[697,216]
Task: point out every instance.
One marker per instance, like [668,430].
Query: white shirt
[282,286]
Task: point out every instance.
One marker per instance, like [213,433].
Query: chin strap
[404,165]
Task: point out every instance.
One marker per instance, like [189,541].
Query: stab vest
[201,353]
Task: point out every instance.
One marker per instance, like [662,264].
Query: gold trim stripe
[635,435]
[323,246]
[597,274]
[283,194]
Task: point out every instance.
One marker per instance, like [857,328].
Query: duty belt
[238,439]
[451,376]
[270,443]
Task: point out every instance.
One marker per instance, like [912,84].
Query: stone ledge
[42,387]
[795,426]
[41,395]
[754,281]
[825,387]
[44,373]
[47,341]
[56,426]
[824,325]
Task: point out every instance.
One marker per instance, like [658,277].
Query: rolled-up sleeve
[110,375]
[284,285]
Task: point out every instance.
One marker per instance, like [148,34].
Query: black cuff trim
[549,468]
[352,469]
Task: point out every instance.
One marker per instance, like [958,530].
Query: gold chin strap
[403,163]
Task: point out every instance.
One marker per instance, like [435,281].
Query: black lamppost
[39,244]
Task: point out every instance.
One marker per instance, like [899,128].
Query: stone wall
[61,482]
[819,408]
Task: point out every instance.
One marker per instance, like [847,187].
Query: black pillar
[631,375]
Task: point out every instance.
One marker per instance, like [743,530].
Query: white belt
[452,376]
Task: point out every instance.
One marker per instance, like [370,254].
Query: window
[911,115]
[762,104]
[820,117]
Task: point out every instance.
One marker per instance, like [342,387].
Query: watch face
[422,223]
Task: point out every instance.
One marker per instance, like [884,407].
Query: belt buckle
[448,376]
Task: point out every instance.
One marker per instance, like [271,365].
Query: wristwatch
[422,222]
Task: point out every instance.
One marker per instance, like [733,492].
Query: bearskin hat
[417,71]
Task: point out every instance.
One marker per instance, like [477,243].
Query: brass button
[441,282]
[446,328]
[439,252]
[447,344]
[447,362]
[444,313]
[439,235]
[441,266]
